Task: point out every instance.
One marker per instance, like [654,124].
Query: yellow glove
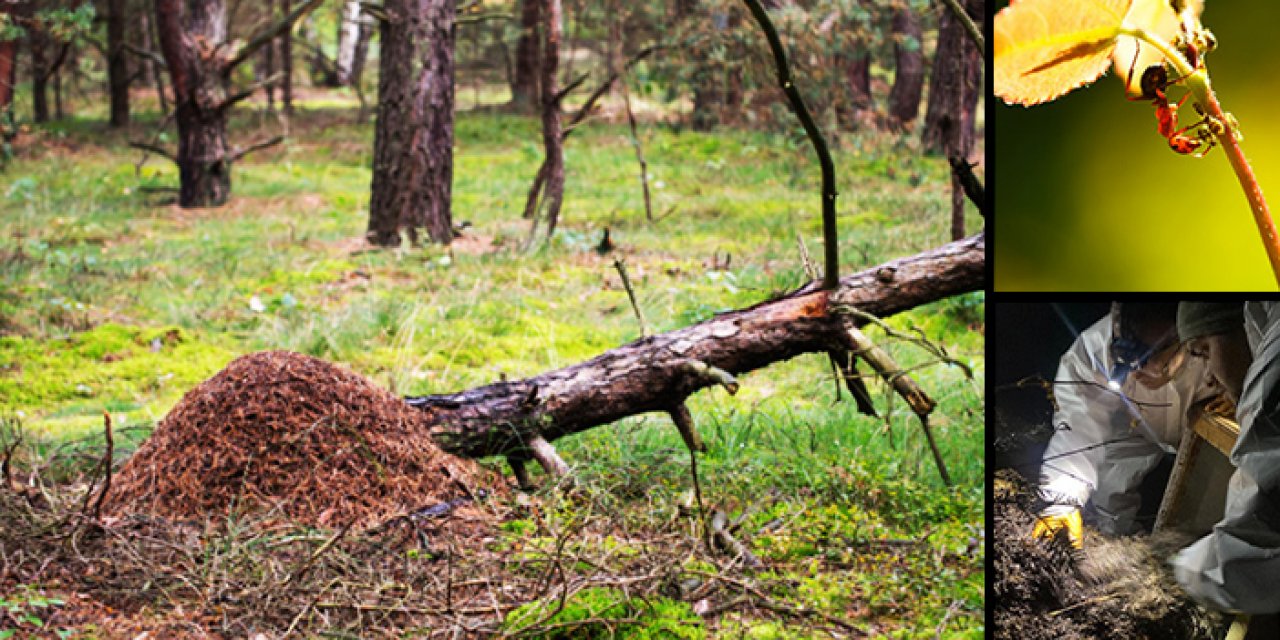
[1049,523]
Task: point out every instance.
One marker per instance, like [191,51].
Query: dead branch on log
[920,402]
[658,372]
[684,424]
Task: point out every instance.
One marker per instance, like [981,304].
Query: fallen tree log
[519,419]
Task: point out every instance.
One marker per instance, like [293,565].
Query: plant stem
[1197,81]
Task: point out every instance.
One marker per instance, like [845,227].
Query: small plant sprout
[1047,48]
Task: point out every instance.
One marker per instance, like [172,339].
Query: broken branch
[271,32]
[152,148]
[257,146]
[684,424]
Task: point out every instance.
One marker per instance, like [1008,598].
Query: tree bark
[269,63]
[117,64]
[413,141]
[188,42]
[200,62]
[908,79]
[953,96]
[153,68]
[658,373]
[525,89]
[39,43]
[552,138]
[286,62]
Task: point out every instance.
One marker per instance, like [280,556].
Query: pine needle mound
[1114,588]
[292,435]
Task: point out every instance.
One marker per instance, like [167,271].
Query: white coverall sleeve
[1237,566]
[1094,451]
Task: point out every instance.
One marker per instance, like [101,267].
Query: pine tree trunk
[8,78]
[117,64]
[552,136]
[286,62]
[908,80]
[154,69]
[204,166]
[269,63]
[413,141]
[39,43]
[525,90]
[953,97]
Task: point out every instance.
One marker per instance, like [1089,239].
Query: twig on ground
[631,294]
[106,464]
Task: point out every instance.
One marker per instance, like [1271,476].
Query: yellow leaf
[1045,48]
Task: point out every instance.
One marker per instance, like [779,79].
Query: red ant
[1155,79]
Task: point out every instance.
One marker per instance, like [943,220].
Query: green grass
[109,301]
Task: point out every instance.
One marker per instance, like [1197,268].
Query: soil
[1114,588]
[298,438]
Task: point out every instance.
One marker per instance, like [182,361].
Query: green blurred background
[1090,197]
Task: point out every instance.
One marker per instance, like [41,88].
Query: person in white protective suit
[1124,392]
[1236,567]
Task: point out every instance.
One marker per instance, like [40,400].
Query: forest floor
[112,299]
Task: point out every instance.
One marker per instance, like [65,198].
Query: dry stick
[831,274]
[720,532]
[635,142]
[257,146]
[106,465]
[631,294]
[153,146]
[963,171]
[546,455]
[520,472]
[969,26]
[328,544]
[920,403]
[684,424]
[6,470]
[935,350]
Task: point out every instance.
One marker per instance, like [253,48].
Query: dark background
[1029,340]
